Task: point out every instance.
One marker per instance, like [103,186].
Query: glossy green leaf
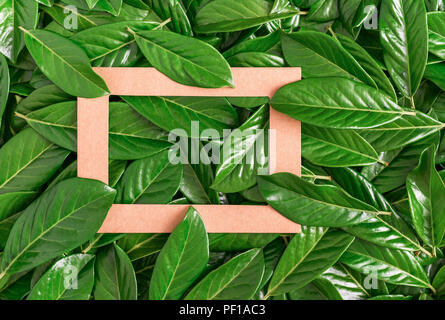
[321,56]
[13,202]
[256,59]
[131,137]
[28,161]
[4,85]
[239,241]
[173,9]
[39,98]
[232,15]
[317,102]
[65,64]
[393,266]
[435,72]
[400,162]
[150,180]
[63,218]
[141,245]
[425,189]
[257,44]
[237,279]
[404,38]
[439,281]
[115,276]
[310,204]
[111,6]
[101,41]
[15,14]
[349,283]
[368,64]
[179,114]
[242,154]
[185,60]
[401,132]
[385,230]
[436,33]
[181,260]
[335,148]
[308,255]
[70,278]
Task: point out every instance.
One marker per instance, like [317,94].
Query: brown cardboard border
[92,147]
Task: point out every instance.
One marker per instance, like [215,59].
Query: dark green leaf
[70,278]
[181,260]
[115,276]
[308,255]
[237,279]
[185,60]
[316,101]
[310,204]
[63,218]
[404,38]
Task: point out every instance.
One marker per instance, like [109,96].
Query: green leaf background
[370,197]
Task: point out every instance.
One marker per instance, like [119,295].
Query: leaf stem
[329,178]
[413,105]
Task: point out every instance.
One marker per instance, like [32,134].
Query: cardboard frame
[92,148]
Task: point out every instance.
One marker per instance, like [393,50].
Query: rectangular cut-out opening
[284,152]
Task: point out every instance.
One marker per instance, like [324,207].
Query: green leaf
[401,132]
[28,161]
[220,242]
[436,33]
[4,86]
[439,281]
[49,3]
[323,10]
[384,230]
[115,276]
[101,41]
[198,177]
[60,220]
[173,9]
[39,98]
[349,283]
[317,102]
[15,14]
[404,38]
[256,59]
[70,278]
[141,245]
[257,44]
[309,254]
[400,162]
[369,65]
[335,148]
[131,136]
[111,6]
[321,56]
[390,265]
[313,205]
[243,155]
[435,72]
[353,13]
[425,189]
[233,15]
[150,180]
[172,113]
[65,64]
[185,60]
[237,279]
[14,202]
[182,259]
